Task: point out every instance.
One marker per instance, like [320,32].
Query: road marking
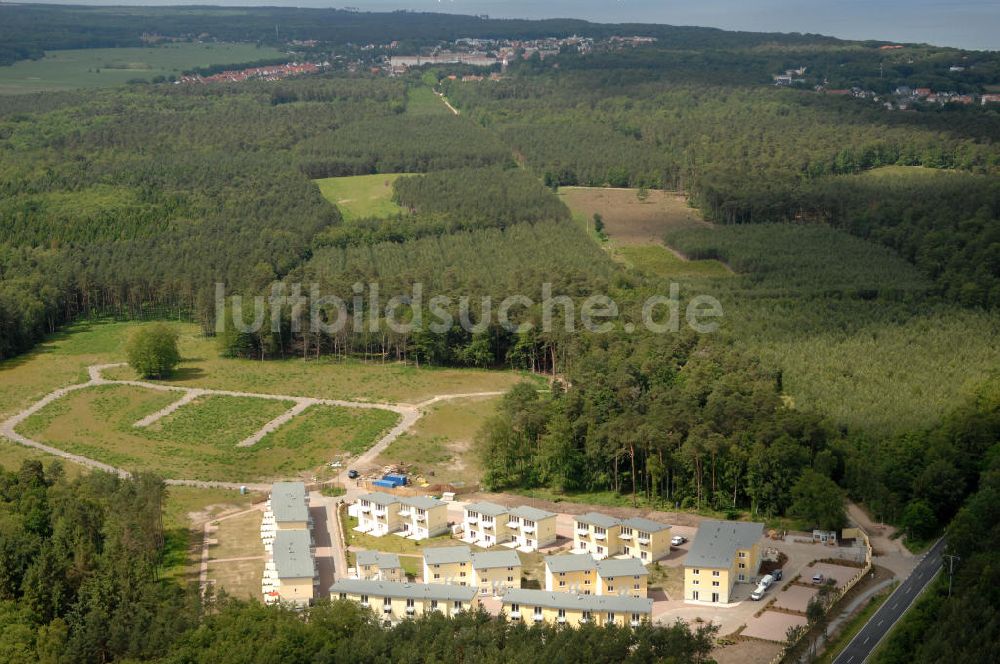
[867,639]
[880,622]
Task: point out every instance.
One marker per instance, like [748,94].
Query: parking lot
[772,625]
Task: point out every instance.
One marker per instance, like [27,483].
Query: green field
[106,67]
[199,440]
[361,196]
[660,261]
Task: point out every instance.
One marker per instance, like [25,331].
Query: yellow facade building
[423,517]
[495,572]
[486,524]
[571,573]
[532,528]
[395,602]
[645,539]
[597,534]
[294,566]
[378,514]
[723,554]
[627,576]
[448,564]
[570,609]
[375,566]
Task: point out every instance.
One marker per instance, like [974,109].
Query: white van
[765,583]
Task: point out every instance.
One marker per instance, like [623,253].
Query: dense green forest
[79,564]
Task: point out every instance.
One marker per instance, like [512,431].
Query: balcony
[600,536]
[379,511]
[528,529]
[410,610]
[539,617]
[471,519]
[386,609]
[365,508]
[625,536]
[583,532]
[404,513]
[643,540]
[561,620]
[421,517]
[634,623]
[515,615]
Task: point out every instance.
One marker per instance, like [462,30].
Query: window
[458,605]
[510,579]
[437,576]
[562,584]
[387,601]
[715,584]
[611,589]
[742,554]
[715,572]
[409,603]
[562,613]
[600,549]
[343,595]
[538,611]
[611,617]
[635,587]
[364,599]
[510,569]
[462,574]
[636,617]
[434,605]
[644,555]
[696,571]
[586,615]
[695,582]
[694,594]
[743,565]
[514,608]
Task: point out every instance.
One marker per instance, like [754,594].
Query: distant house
[486,524]
[564,608]
[448,564]
[923,92]
[723,553]
[532,528]
[375,566]
[645,539]
[597,534]
[496,571]
[395,602]
[990,99]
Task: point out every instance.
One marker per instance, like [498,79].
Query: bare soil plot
[794,597]
[744,652]
[841,573]
[439,447]
[629,220]
[772,626]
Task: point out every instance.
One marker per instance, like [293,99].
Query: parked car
[677,540]
[353,474]
[767,581]
[776,573]
[758,593]
[817,578]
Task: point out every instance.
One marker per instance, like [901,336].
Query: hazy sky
[963,23]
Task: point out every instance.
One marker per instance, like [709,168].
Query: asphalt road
[864,643]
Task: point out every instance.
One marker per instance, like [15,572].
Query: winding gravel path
[409,414]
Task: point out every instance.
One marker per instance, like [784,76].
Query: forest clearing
[361,196]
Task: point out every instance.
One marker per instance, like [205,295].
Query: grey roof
[492,559]
[381,560]
[610,567]
[645,525]
[443,555]
[440,591]
[379,498]
[598,519]
[570,562]
[423,502]
[616,603]
[531,513]
[490,509]
[288,502]
[292,557]
[717,541]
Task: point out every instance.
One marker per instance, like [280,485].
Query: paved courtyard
[772,626]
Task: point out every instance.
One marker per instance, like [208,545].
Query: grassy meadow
[361,196]
[198,441]
[107,67]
